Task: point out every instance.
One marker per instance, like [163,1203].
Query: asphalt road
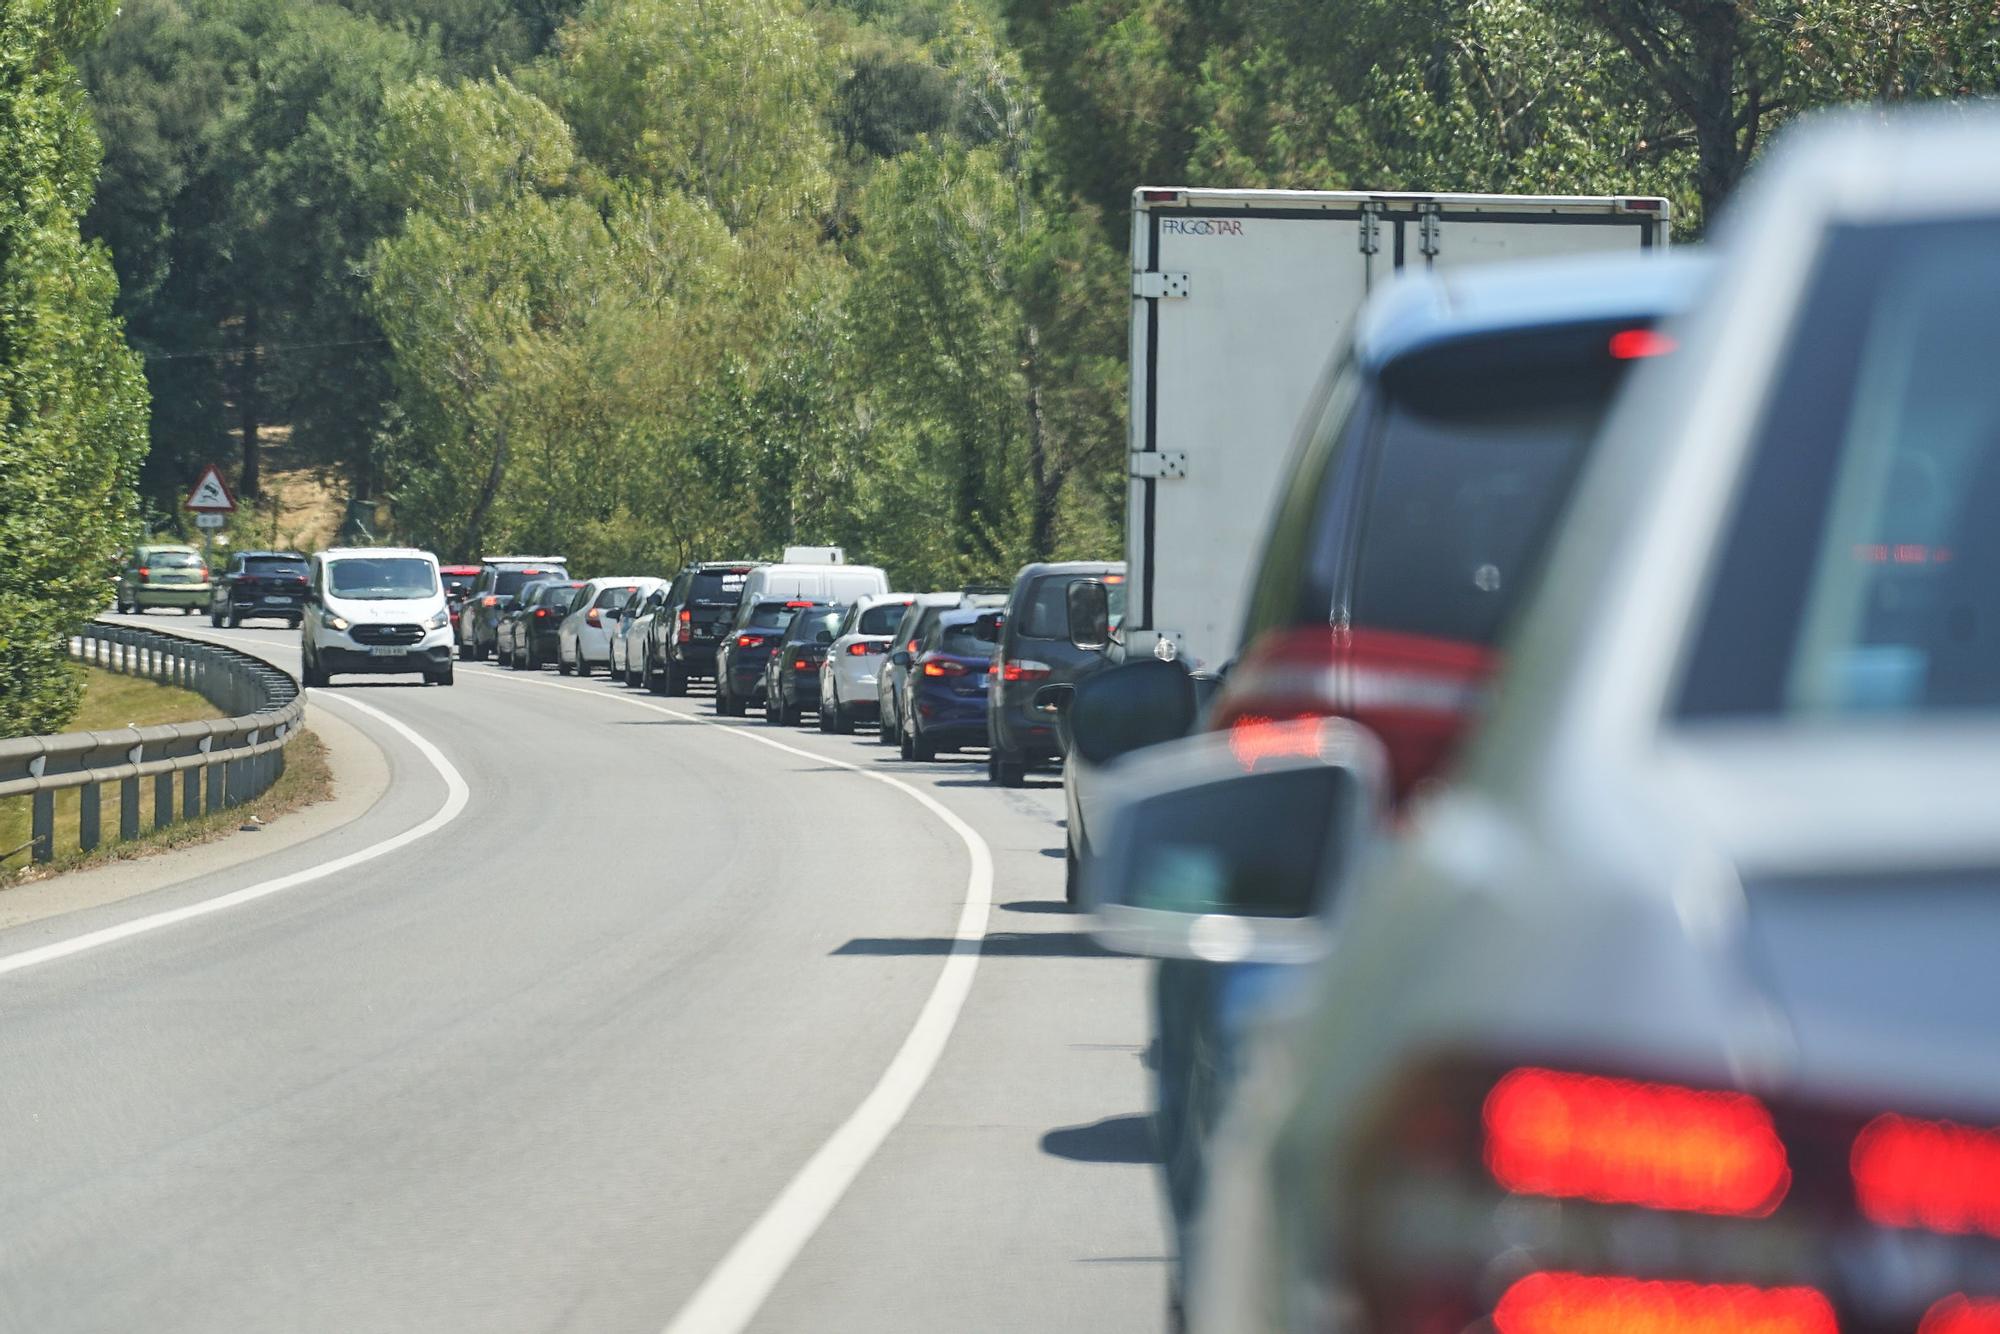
[645,1010]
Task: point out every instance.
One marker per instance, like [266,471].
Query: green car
[163,576]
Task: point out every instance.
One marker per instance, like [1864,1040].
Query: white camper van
[820,581]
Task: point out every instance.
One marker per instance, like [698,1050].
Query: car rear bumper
[262,604]
[172,595]
[747,682]
[1030,734]
[696,659]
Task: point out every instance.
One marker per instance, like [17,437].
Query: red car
[458,582]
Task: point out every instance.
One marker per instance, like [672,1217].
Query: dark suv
[700,604]
[791,674]
[500,580]
[746,645]
[259,583]
[1035,651]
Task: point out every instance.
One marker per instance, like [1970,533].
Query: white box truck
[1239,298]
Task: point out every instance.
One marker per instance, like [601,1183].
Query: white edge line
[456,797]
[730,1297]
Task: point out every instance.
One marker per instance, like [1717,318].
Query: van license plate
[386,651]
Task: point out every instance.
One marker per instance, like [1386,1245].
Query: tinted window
[273,565]
[509,582]
[1860,567]
[394,578]
[882,620]
[717,588]
[613,597]
[960,641]
[1045,613]
[807,625]
[771,615]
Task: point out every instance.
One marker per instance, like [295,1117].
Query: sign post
[212,502]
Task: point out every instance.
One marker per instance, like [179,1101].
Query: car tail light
[592,618]
[1960,1314]
[1023,669]
[1634,344]
[541,612]
[1416,693]
[1620,1141]
[800,602]
[489,602]
[1559,1303]
[1930,1174]
[862,648]
[686,616]
[946,667]
[204,572]
[145,572]
[749,641]
[802,664]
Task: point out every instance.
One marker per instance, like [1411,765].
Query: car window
[171,560]
[881,619]
[390,578]
[508,582]
[1045,612]
[272,565]
[612,597]
[770,616]
[807,625]
[960,641]
[717,588]
[1859,569]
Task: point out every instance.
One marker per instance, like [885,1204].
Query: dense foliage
[72,398]
[653,279]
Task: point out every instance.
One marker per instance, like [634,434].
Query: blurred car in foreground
[861,643]
[500,579]
[1436,469]
[259,583]
[1036,650]
[526,637]
[745,647]
[947,681]
[699,606]
[1674,1011]
[161,575]
[791,673]
[583,641]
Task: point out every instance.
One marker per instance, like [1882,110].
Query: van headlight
[439,621]
[339,623]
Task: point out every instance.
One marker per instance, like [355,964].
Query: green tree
[72,398]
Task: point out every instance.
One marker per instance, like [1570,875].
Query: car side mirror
[1089,614]
[1232,847]
[1129,707]
[987,628]
[901,657]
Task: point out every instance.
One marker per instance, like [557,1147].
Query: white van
[843,584]
[375,609]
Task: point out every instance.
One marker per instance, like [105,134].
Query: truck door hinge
[1429,225]
[1157,286]
[1159,463]
[1371,228]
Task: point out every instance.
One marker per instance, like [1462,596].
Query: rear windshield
[509,582]
[771,616]
[458,585]
[273,565]
[1046,615]
[1859,573]
[170,560]
[390,578]
[961,642]
[717,588]
[613,597]
[881,620]
[810,623]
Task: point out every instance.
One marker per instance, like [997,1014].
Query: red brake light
[1620,1141]
[686,615]
[1253,740]
[145,572]
[1114,578]
[1023,670]
[945,667]
[489,602]
[1633,344]
[862,648]
[1960,1314]
[1931,1174]
[1548,1303]
[204,571]
[800,602]
[541,612]
[1159,196]
[801,664]
[591,617]
[749,641]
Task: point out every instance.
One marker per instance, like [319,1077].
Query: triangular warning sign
[211,493]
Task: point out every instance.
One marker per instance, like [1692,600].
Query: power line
[262,349]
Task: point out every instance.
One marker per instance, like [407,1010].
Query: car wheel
[1007,770]
[1070,873]
[309,672]
[214,618]
[464,652]
[885,727]
[905,747]
[921,746]
[829,718]
[677,679]
[441,676]
[792,715]
[187,611]
[562,663]
[653,679]
[235,618]
[582,663]
[295,621]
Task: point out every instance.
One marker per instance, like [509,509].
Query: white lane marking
[456,796]
[729,1298]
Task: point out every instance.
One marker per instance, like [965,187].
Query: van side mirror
[1231,847]
[1129,707]
[1089,614]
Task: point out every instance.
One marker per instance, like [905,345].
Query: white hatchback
[861,644]
[584,639]
[375,609]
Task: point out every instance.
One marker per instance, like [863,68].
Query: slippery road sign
[211,494]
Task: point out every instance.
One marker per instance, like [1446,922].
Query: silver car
[1675,1010]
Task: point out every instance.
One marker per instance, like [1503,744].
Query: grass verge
[307,779]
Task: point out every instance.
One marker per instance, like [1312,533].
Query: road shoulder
[360,778]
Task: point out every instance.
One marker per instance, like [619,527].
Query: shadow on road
[1115,1139]
[997,944]
[1051,785]
[1036,905]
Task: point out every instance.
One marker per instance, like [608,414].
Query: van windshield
[383,578]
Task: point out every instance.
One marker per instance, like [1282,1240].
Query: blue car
[946,684]
[1411,525]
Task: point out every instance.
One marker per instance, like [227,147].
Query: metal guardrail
[241,755]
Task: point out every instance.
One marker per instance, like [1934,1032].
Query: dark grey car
[1035,651]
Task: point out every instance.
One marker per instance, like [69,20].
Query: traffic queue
[1572,897]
